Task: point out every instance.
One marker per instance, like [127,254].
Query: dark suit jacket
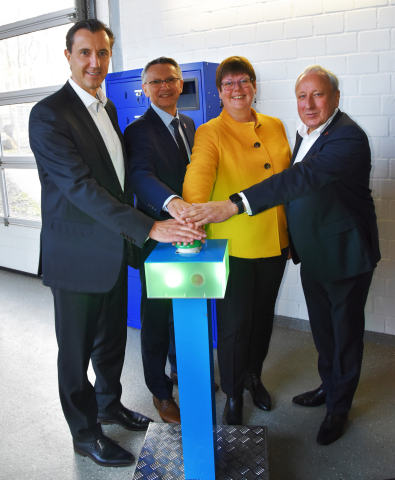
[85,213]
[330,211]
[156,167]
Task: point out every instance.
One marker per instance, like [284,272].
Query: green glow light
[201,275]
[173,278]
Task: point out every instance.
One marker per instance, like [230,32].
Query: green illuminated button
[187,249]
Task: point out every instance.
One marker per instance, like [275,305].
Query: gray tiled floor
[35,442]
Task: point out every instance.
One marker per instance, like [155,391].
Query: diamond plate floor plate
[241,453]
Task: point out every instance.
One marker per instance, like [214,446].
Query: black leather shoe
[174,379]
[315,398]
[260,396]
[126,418]
[233,412]
[331,428]
[104,452]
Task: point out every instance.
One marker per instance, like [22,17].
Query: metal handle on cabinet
[138,93]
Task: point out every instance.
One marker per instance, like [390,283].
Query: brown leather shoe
[168,410]
[174,379]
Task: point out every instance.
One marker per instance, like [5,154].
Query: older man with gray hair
[333,234]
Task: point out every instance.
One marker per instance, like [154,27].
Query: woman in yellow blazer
[231,152]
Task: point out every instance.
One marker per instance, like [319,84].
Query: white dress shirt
[167,119]
[95,106]
[310,139]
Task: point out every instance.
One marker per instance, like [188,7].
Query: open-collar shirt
[310,138]
[95,107]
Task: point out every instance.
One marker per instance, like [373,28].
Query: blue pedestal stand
[198,449]
[194,348]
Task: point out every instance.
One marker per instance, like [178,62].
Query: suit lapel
[332,124]
[84,117]
[316,145]
[296,148]
[324,134]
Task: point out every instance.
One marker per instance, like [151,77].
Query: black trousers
[90,326]
[157,334]
[245,318]
[337,319]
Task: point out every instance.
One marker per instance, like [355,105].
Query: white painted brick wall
[334,64]
[272,70]
[278,10]
[374,41]
[375,84]
[242,35]
[378,126]
[345,43]
[387,61]
[353,38]
[369,3]
[386,17]
[224,18]
[299,27]
[329,24]
[361,19]
[257,52]
[338,5]
[363,63]
[311,46]
[250,14]
[365,106]
[218,38]
[283,49]
[307,7]
[269,31]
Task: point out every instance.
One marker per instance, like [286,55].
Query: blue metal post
[190,280]
[193,334]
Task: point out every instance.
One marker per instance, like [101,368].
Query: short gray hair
[333,80]
[157,61]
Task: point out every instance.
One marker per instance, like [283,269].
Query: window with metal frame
[31,37]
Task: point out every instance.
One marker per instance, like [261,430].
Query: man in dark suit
[333,234]
[90,231]
[158,146]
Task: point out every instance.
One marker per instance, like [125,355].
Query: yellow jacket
[229,156]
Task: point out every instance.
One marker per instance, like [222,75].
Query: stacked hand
[176,206]
[189,219]
[171,231]
[212,212]
[176,231]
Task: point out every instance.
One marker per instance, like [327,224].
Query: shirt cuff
[164,208]
[246,204]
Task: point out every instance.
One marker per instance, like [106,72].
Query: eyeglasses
[229,86]
[168,81]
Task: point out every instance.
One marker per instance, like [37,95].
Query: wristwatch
[237,200]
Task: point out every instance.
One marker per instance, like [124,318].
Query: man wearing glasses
[158,146]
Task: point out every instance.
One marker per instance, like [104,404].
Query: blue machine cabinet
[199,100]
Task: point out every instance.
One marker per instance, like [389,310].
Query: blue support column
[193,332]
